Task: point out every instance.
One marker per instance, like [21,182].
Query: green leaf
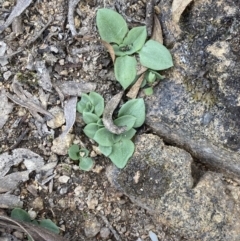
[98,103]
[151,77]
[86,163]
[125,70]
[116,138]
[104,137]
[105,150]
[136,108]
[90,130]
[154,55]
[121,152]
[158,75]
[20,215]
[126,120]
[148,91]
[111,26]
[89,117]
[122,50]
[129,134]
[73,152]
[50,225]
[136,37]
[100,123]
[81,105]
[133,42]
[35,222]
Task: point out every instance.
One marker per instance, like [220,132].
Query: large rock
[159,179]
[197,107]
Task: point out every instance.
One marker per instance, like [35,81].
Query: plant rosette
[118,147]
[75,153]
[113,29]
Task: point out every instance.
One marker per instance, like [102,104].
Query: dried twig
[71,7]
[17,10]
[116,236]
[132,93]
[108,112]
[149,16]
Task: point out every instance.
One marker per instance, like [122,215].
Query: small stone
[58,119]
[63,190]
[61,61]
[32,214]
[63,179]
[7,74]
[61,144]
[18,235]
[104,233]
[38,203]
[92,227]
[54,49]
[92,203]
[78,190]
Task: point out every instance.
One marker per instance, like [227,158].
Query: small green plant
[118,147]
[150,77]
[81,154]
[153,55]
[21,215]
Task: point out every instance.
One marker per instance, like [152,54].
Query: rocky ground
[83,204]
[183,180]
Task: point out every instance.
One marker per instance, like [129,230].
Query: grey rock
[91,227]
[197,106]
[104,233]
[197,207]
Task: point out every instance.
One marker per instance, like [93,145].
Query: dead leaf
[141,69]
[37,233]
[5,108]
[17,10]
[110,49]
[31,160]
[43,75]
[108,112]
[157,30]
[133,92]
[72,88]
[70,114]
[178,6]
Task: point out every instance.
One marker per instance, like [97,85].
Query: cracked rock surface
[159,179]
[197,105]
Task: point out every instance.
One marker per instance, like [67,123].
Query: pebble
[63,179]
[32,214]
[104,233]
[58,119]
[37,203]
[92,227]
[61,144]
[92,203]
[7,74]
[18,235]
[63,190]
